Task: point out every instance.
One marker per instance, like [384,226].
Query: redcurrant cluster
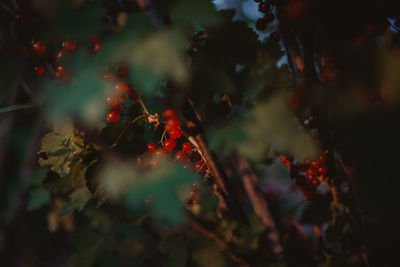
[266,9]
[308,174]
[122,90]
[187,155]
[53,51]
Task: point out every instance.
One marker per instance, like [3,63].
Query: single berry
[117,108]
[133,94]
[312,172]
[40,69]
[112,102]
[180,156]
[113,116]
[160,152]
[287,164]
[122,87]
[169,113]
[70,45]
[173,122]
[261,24]
[322,159]
[39,47]
[169,144]
[284,159]
[322,170]
[263,7]
[186,147]
[151,147]
[96,43]
[123,70]
[275,36]
[200,166]
[174,132]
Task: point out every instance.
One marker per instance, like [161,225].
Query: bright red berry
[112,102]
[70,45]
[39,47]
[40,69]
[174,132]
[186,147]
[151,147]
[180,156]
[287,164]
[113,116]
[173,122]
[169,144]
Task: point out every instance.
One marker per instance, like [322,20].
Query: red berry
[122,87]
[263,7]
[287,164]
[70,45]
[169,144]
[322,170]
[312,172]
[96,43]
[123,70]
[261,24]
[118,108]
[284,159]
[151,147]
[180,156]
[133,94]
[40,69]
[174,132]
[200,166]
[113,116]
[169,113]
[160,152]
[186,147]
[322,159]
[39,47]
[112,102]
[173,122]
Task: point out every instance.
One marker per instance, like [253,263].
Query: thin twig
[260,205]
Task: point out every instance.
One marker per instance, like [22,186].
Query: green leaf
[16,107]
[78,200]
[274,126]
[210,256]
[38,197]
[225,139]
[199,11]
[60,147]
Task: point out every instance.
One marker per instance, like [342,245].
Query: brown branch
[225,245]
[260,205]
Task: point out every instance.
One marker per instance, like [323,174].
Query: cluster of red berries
[307,174]
[66,46]
[266,9]
[174,131]
[122,90]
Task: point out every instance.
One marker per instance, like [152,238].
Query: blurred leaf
[158,187]
[199,11]
[225,139]
[60,147]
[175,247]
[274,126]
[162,53]
[209,257]
[38,197]
[16,107]
[78,200]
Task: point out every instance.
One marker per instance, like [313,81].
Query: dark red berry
[113,116]
[122,98]
[200,166]
[263,7]
[96,43]
[160,152]
[174,132]
[151,147]
[112,102]
[122,87]
[133,94]
[169,113]
[322,170]
[186,147]
[123,70]
[70,45]
[261,24]
[169,144]
[180,156]
[40,69]
[39,47]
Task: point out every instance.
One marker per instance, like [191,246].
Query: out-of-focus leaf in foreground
[274,126]
[156,189]
[60,147]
